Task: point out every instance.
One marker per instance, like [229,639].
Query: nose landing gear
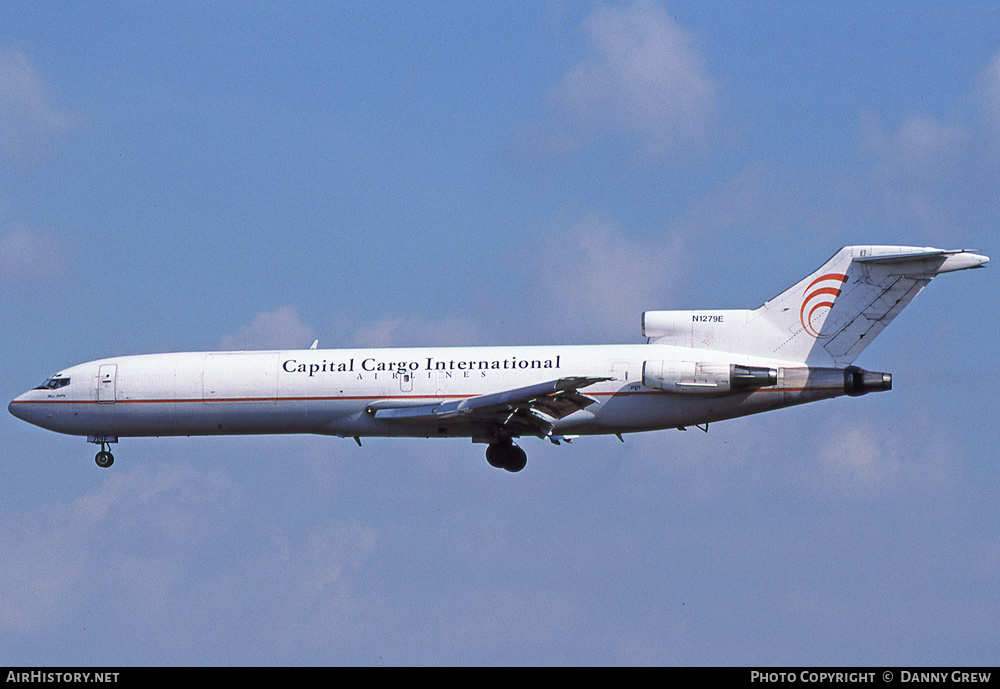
[104,458]
[506,455]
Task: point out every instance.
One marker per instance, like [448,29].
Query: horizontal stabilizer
[934,261]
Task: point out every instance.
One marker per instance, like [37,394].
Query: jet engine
[701,377]
[859,382]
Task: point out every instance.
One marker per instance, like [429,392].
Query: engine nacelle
[698,377]
[859,382]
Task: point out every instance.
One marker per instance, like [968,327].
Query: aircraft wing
[527,410]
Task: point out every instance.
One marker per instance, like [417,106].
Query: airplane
[696,367]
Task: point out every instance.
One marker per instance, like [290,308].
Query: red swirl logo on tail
[819,295]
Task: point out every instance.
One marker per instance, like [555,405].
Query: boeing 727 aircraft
[696,367]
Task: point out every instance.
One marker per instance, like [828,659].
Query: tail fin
[826,318]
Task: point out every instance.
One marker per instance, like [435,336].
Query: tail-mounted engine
[700,378]
[859,382]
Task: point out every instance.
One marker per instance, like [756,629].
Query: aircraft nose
[18,407]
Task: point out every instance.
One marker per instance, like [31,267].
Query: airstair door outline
[619,371]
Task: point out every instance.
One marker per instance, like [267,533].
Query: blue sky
[195,176]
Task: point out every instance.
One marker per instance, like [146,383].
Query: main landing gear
[506,455]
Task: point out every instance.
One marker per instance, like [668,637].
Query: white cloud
[311,578]
[938,174]
[136,546]
[603,280]
[644,76]
[927,173]
[920,148]
[851,449]
[28,255]
[278,329]
[33,125]
[987,95]
[52,554]
[415,331]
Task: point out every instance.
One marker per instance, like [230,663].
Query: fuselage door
[619,371]
[405,381]
[245,377]
[441,383]
[107,383]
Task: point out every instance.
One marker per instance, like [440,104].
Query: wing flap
[521,409]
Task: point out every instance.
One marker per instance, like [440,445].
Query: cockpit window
[53,383]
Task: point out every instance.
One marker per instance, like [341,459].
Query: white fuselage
[333,392]
[697,367]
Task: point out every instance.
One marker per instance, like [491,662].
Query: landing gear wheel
[494,456]
[104,459]
[506,456]
[516,459]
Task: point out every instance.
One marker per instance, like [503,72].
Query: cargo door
[245,377]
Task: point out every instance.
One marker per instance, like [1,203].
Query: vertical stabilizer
[828,317]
